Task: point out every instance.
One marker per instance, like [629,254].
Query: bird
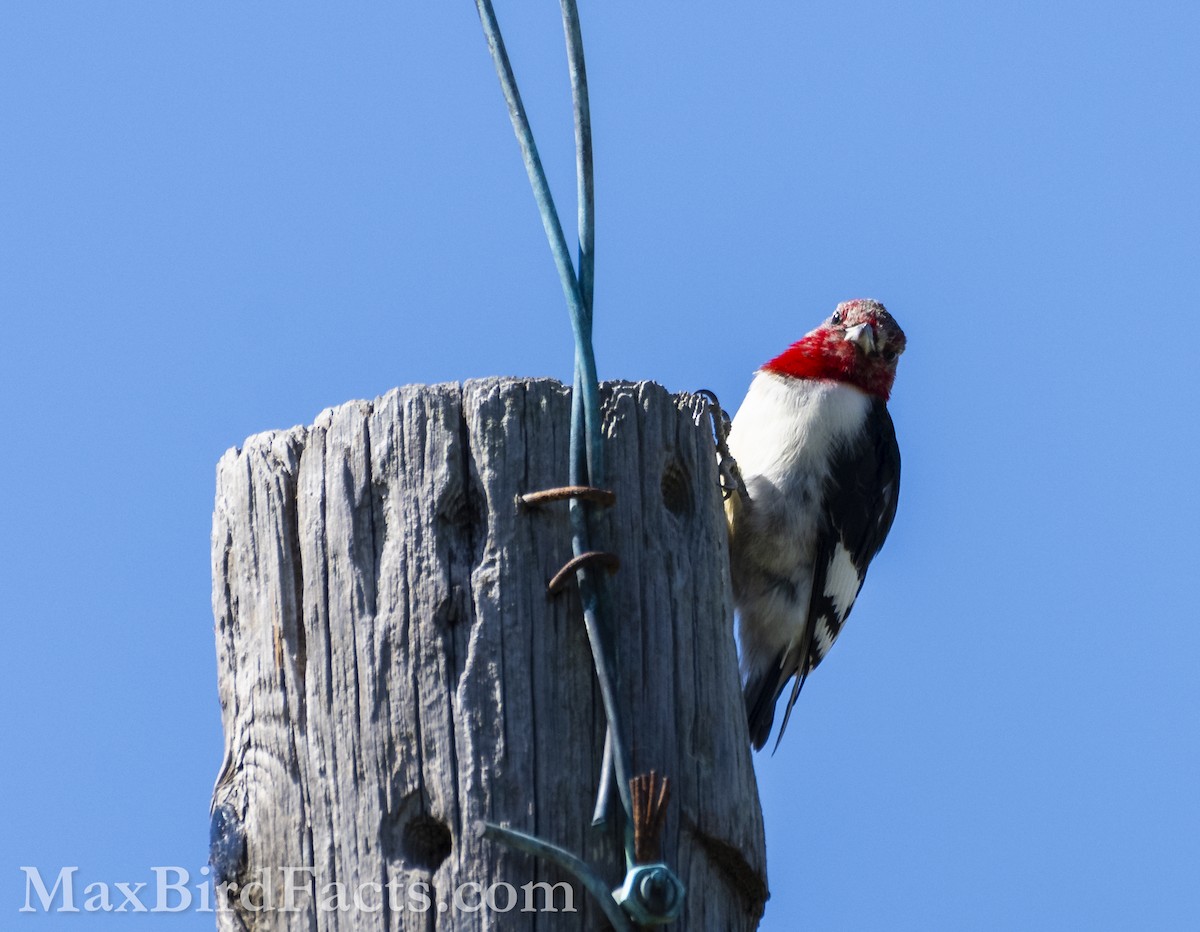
[817,453]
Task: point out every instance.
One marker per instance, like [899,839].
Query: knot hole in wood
[676,488]
[462,506]
[462,511]
[426,842]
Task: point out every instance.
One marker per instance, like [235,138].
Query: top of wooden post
[392,669]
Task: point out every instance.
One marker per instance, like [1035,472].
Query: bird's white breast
[789,428]
[784,438]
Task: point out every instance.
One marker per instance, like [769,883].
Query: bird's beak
[863,335]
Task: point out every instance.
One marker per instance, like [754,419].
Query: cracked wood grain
[391,669]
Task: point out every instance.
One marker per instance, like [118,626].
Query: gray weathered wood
[391,669]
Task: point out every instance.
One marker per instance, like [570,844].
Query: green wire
[586,453]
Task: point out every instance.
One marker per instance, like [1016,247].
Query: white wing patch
[842,581]
[824,639]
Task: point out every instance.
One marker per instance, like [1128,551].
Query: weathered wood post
[392,671]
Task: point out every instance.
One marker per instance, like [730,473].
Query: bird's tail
[762,692]
[762,689]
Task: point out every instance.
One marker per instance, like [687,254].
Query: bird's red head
[859,344]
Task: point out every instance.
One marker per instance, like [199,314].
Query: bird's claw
[730,476]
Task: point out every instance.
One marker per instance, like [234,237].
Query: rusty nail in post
[601,557]
[602,497]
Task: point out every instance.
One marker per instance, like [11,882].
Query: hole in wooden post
[460,508]
[676,489]
[427,842]
[463,523]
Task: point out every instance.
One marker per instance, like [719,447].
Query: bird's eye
[889,354]
[836,318]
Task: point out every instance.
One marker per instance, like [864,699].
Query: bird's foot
[727,467]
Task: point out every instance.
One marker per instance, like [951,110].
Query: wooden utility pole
[392,670]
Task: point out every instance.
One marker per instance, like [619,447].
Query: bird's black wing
[859,506]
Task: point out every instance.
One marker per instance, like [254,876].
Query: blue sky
[219,219]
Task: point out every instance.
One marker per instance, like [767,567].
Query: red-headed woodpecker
[817,451]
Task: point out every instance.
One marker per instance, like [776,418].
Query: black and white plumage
[817,450]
